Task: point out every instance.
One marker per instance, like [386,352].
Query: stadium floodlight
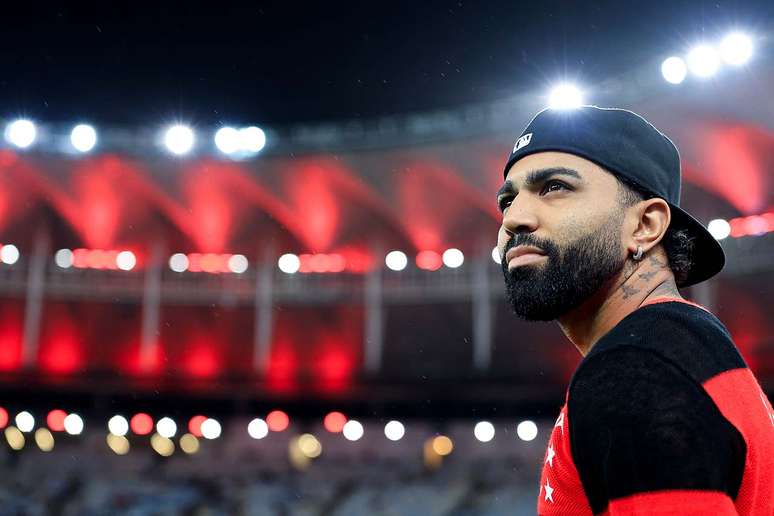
[394,430]
[44,439]
[484,431]
[161,445]
[396,260]
[703,61]
[64,258]
[719,228]
[9,254]
[289,263]
[166,427]
[24,421]
[21,133]
[674,70]
[453,258]
[179,139]
[126,260]
[118,443]
[189,444]
[73,424]
[736,48]
[118,425]
[178,262]
[227,140]
[353,430]
[496,256]
[237,263]
[211,428]
[527,430]
[83,137]
[257,428]
[252,139]
[565,96]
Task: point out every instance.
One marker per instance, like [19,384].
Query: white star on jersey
[550,457]
[560,422]
[549,492]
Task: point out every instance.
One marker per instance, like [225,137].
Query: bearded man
[662,416]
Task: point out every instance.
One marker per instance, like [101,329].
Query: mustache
[548,247]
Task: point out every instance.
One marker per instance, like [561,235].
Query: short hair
[677,243]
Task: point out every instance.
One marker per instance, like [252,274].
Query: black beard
[570,276]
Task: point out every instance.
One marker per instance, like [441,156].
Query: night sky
[277,63]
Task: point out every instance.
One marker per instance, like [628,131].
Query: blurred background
[246,252]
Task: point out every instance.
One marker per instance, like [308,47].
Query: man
[662,415]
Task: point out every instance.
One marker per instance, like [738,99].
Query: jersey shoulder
[639,423]
[690,337]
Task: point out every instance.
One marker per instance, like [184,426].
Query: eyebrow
[538,176]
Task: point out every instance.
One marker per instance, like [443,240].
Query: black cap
[627,145]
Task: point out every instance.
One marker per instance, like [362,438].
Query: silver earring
[638,255]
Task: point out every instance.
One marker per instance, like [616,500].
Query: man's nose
[519,218]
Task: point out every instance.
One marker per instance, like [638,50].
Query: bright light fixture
[565,96]
[179,139]
[719,228]
[674,70]
[527,430]
[736,48]
[83,137]
[453,258]
[21,133]
[396,260]
[703,61]
[289,263]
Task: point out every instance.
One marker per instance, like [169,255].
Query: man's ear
[652,223]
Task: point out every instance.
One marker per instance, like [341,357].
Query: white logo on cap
[522,142]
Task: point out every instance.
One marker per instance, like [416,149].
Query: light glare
[674,70]
[24,421]
[118,444]
[237,263]
[484,431]
[73,424]
[352,430]
[44,439]
[21,133]
[719,228]
[396,260]
[118,425]
[394,430]
[453,258]
[83,137]
[166,427]
[565,96]
[211,429]
[496,256]
[257,428]
[703,61]
[252,139]
[9,254]
[527,430]
[126,260]
[178,262]
[227,140]
[289,263]
[64,258]
[179,139]
[736,49]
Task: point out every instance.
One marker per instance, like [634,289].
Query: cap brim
[707,257]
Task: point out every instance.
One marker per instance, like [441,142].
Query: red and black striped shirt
[663,416]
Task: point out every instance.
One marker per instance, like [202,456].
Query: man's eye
[553,186]
[504,202]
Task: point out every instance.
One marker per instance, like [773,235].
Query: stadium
[309,317]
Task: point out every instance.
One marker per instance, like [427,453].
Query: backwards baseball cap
[628,146]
